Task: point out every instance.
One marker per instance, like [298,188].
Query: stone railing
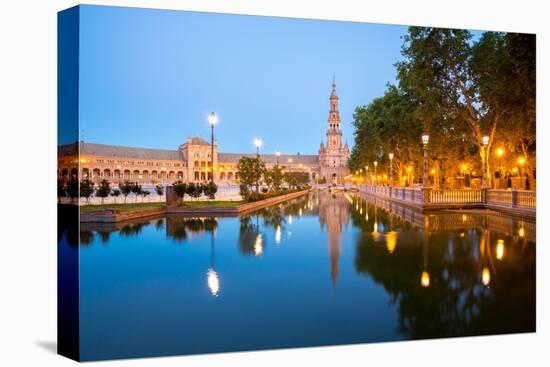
[427,197]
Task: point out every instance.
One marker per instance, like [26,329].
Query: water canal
[322,269]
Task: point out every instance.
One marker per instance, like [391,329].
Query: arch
[107,174]
[180,175]
[154,175]
[116,174]
[145,176]
[126,174]
[196,164]
[162,175]
[222,176]
[203,176]
[230,175]
[74,173]
[64,175]
[136,175]
[96,174]
[203,164]
[85,173]
[197,175]
[172,175]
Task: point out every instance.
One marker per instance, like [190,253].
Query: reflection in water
[333,214]
[462,289]
[434,275]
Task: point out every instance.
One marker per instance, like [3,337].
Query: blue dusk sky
[149,78]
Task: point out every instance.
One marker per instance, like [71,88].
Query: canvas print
[236,183]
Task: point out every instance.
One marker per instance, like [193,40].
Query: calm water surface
[323,269]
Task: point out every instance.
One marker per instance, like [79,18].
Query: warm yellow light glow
[278,235]
[409,169]
[213,282]
[391,241]
[258,245]
[521,232]
[300,212]
[432,171]
[521,161]
[485,277]
[425,279]
[290,219]
[464,217]
[500,152]
[375,229]
[500,249]
[485,140]
[462,234]
[390,155]
[514,170]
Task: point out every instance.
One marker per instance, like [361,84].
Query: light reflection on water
[319,270]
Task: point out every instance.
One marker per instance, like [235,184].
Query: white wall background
[28,156]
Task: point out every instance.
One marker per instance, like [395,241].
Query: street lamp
[425,140]
[375,165]
[484,163]
[278,154]
[366,173]
[212,120]
[258,144]
[390,155]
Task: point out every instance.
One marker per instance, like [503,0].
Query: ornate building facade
[192,161]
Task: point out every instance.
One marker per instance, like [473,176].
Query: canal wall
[114,216]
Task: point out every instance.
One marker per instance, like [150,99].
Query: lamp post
[212,120]
[366,173]
[390,155]
[258,144]
[425,140]
[278,154]
[375,165]
[484,163]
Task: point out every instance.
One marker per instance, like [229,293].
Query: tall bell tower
[333,157]
[334,133]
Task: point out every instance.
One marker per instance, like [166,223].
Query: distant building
[191,162]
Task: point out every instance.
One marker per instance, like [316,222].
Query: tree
[86,189]
[125,188]
[103,190]
[296,179]
[250,171]
[115,193]
[145,193]
[387,124]
[274,177]
[159,190]
[73,189]
[136,189]
[210,189]
[194,189]
[467,84]
[180,189]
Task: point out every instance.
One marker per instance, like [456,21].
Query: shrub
[137,189]
[210,190]
[115,193]
[125,188]
[103,190]
[159,189]
[180,189]
[86,189]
